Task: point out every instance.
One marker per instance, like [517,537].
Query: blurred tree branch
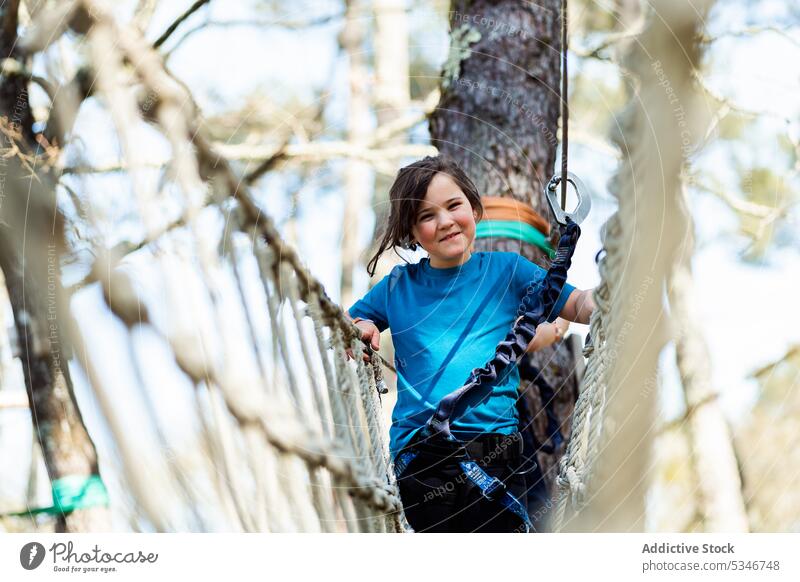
[793,353]
[373,151]
[254,22]
[608,42]
[143,13]
[766,213]
[320,151]
[730,104]
[183,17]
[309,152]
[749,32]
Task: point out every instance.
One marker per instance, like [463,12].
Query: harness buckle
[584,200]
[495,489]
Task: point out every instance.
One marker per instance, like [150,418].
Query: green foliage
[776,381]
[733,127]
[588,16]
[764,186]
[767,447]
[787,146]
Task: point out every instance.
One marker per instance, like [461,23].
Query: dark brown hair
[406,194]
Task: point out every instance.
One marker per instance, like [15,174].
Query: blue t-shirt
[445,323]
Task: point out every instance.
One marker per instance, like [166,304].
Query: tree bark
[30,248]
[498,118]
[498,114]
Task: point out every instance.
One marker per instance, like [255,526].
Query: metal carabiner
[584,200]
[377,373]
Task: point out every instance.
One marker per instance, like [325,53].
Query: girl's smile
[445,223]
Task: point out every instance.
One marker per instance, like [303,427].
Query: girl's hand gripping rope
[369,335]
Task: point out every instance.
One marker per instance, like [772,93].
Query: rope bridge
[286,434]
[603,475]
[291,433]
[313,466]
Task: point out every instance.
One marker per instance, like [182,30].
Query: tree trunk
[498,118]
[498,114]
[30,247]
[392,99]
[392,94]
[357,173]
[721,505]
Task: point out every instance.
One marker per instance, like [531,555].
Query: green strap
[70,493]
[517,230]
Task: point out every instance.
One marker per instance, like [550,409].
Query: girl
[447,314]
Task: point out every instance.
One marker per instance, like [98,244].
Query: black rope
[564,107]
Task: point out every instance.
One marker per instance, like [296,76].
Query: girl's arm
[579,306]
[547,334]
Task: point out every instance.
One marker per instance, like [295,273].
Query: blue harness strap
[402,461]
[491,486]
[537,304]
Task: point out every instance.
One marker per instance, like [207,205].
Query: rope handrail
[293,442]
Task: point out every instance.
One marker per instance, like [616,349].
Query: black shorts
[438,497]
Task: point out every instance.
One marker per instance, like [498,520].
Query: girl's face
[445,223]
